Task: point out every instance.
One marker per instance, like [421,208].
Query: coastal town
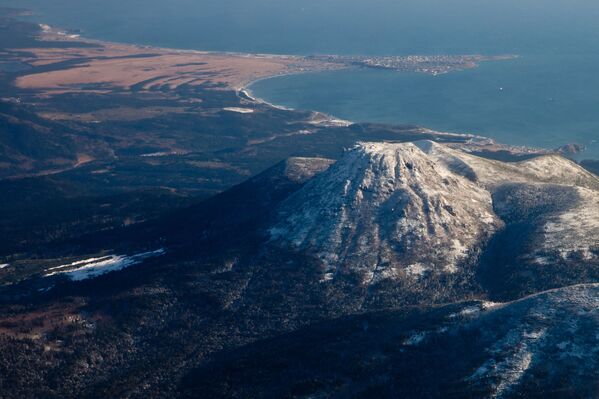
[429,64]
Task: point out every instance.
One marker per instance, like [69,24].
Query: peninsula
[101,66]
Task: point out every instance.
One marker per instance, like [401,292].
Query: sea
[547,97]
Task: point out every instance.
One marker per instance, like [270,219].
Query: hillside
[394,261]
[536,347]
[419,222]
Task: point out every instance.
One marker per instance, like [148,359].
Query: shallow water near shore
[548,97]
[525,102]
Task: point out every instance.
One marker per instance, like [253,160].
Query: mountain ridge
[242,286]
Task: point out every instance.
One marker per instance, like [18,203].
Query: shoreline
[51,33]
[473,139]
[244,88]
[578,157]
[325,118]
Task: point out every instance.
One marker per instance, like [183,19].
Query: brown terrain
[104,67]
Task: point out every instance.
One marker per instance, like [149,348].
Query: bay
[548,97]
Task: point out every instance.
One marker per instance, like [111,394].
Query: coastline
[247,92]
[243,87]
[172,67]
[318,117]
[583,153]
[475,141]
[293,65]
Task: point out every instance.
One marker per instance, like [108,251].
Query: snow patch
[468,311]
[511,358]
[239,110]
[94,267]
[474,310]
[575,232]
[417,270]
[162,154]
[415,339]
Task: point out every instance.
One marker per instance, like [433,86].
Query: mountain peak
[387,210]
[421,214]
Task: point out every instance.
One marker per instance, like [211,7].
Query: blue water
[550,95]
[520,102]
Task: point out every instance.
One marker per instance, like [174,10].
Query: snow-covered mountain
[388,210]
[300,282]
[414,213]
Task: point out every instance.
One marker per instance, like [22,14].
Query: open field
[102,67]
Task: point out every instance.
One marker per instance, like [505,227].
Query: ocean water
[548,97]
[520,102]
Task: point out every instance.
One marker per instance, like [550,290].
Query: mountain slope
[385,210]
[405,218]
[545,344]
[297,283]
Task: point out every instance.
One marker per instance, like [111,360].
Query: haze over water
[548,97]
